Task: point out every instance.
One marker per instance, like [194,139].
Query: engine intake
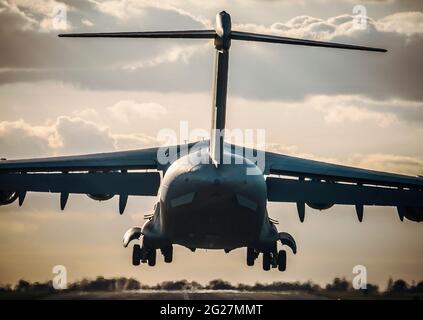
[412,213]
[320,206]
[100,197]
[7,197]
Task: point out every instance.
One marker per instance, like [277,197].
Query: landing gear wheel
[168,254]
[266,261]
[282,260]
[151,259]
[136,255]
[250,256]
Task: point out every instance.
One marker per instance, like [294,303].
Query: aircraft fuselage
[203,205]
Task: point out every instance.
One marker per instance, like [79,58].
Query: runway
[186,295]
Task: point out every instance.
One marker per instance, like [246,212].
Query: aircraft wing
[116,173]
[320,185]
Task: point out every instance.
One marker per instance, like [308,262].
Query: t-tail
[222,35]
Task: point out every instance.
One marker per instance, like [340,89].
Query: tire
[136,255]
[266,261]
[282,260]
[168,254]
[152,258]
[250,257]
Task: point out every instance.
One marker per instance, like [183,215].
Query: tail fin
[222,36]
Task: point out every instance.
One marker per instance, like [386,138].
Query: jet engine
[412,213]
[320,206]
[100,197]
[7,197]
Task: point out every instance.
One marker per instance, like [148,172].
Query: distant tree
[390,284]
[23,286]
[174,285]
[219,284]
[399,286]
[338,285]
[418,288]
[243,287]
[133,284]
[371,289]
[6,288]
[196,286]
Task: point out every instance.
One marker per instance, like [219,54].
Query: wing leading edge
[124,160]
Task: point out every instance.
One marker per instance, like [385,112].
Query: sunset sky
[70,96]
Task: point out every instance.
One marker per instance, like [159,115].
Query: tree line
[123,284]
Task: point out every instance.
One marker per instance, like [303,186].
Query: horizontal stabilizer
[247,36]
[188,34]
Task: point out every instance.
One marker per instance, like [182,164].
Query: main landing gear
[270,259]
[149,255]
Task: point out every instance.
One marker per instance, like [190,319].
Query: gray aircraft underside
[202,200]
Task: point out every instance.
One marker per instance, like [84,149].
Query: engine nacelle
[412,213]
[320,206]
[7,197]
[100,197]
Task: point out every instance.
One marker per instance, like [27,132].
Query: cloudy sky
[70,96]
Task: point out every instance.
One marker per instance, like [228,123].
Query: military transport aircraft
[212,203]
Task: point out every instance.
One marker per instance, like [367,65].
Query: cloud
[172,55]
[87,22]
[77,135]
[390,162]
[260,71]
[66,135]
[41,15]
[405,23]
[118,9]
[13,17]
[408,23]
[18,138]
[86,113]
[339,109]
[128,9]
[408,165]
[129,110]
[341,114]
